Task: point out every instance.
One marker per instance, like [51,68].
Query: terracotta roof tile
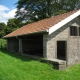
[39,26]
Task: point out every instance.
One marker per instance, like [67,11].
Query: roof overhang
[40,32]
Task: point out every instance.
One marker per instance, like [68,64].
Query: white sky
[6,13]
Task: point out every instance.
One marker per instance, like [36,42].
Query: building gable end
[63,22]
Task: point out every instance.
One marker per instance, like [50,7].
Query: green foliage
[16,67]
[8,30]
[2,26]
[13,24]
[2,43]
[2,31]
[39,9]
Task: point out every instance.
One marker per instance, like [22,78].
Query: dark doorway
[61,50]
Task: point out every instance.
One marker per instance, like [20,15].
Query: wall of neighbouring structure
[63,34]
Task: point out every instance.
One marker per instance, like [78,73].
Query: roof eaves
[43,31]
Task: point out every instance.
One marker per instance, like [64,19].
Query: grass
[16,67]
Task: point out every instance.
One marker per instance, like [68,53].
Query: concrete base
[58,64]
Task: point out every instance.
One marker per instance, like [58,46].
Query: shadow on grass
[16,55]
[24,58]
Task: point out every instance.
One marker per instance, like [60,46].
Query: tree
[13,24]
[2,27]
[39,9]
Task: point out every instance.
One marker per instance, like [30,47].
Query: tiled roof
[39,26]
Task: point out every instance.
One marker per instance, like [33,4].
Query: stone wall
[13,44]
[63,34]
[51,41]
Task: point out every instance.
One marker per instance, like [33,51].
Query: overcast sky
[7,10]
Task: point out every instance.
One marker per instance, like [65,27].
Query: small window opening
[73,31]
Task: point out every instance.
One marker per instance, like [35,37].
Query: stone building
[55,38]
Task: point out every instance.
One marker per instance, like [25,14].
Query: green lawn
[15,67]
